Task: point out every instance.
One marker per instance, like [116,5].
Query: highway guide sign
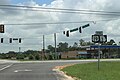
[99,38]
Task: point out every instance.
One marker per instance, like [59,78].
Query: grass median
[89,71]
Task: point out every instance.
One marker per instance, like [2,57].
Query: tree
[82,42]
[62,47]
[37,57]
[75,45]
[31,57]
[51,48]
[89,43]
[111,42]
[85,43]
[20,56]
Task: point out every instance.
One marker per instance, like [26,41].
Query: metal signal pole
[19,49]
[98,56]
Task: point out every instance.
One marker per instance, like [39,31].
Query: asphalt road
[32,70]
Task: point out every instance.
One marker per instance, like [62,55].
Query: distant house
[75,54]
[69,54]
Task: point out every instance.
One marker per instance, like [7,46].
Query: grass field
[88,71]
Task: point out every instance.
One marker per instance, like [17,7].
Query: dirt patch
[66,77]
[64,66]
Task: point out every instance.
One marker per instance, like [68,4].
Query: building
[69,54]
[83,55]
[75,55]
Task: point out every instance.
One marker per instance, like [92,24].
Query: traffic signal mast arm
[85,25]
[75,29]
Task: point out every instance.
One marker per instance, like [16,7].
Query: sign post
[98,56]
[99,38]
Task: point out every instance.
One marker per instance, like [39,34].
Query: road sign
[99,38]
[95,38]
[103,38]
[99,33]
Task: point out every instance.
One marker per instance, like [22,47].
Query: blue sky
[37,1]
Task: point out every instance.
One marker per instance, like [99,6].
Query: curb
[64,76]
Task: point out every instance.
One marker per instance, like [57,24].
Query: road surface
[41,70]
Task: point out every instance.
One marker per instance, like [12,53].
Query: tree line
[50,51]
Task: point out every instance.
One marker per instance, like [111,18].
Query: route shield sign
[99,38]
[103,38]
[95,38]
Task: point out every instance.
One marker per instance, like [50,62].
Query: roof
[105,46]
[82,52]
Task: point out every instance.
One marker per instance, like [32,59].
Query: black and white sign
[99,33]
[99,38]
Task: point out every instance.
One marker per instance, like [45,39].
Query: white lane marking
[26,70]
[6,67]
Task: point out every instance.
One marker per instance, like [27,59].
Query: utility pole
[55,46]
[43,52]
[19,49]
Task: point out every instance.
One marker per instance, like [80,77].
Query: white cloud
[110,28]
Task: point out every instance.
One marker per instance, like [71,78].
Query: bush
[37,57]
[31,57]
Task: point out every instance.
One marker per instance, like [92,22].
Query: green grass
[88,71]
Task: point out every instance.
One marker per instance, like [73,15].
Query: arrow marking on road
[26,70]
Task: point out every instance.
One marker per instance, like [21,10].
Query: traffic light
[20,40]
[1,28]
[80,29]
[10,40]
[1,40]
[67,33]
[63,32]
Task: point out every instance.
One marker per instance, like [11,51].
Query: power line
[73,12]
[20,24]
[48,23]
[63,9]
[83,11]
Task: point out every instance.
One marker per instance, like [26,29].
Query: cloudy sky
[32,34]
